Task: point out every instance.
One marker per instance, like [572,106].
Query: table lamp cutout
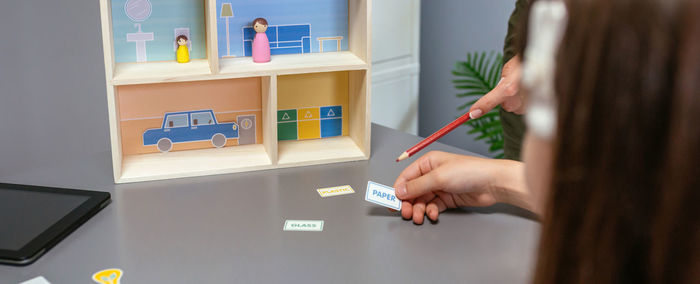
[183,52]
[261,44]
[108,276]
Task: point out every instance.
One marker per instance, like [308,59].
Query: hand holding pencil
[505,94]
[434,137]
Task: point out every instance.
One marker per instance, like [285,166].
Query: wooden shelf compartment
[160,72]
[142,107]
[242,67]
[319,151]
[160,66]
[292,64]
[355,58]
[353,145]
[157,166]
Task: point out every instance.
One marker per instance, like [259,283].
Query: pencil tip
[403,156]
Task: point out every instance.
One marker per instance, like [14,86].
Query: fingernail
[401,191]
[476,114]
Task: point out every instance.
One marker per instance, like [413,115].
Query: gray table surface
[228,229]
[217,229]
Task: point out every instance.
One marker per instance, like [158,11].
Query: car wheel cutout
[165,145]
[218,140]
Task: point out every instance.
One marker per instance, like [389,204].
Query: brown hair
[181,37]
[626,170]
[262,21]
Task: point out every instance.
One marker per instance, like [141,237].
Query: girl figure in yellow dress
[183,53]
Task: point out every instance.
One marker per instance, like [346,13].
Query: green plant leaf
[476,76]
[464,106]
[467,82]
[470,94]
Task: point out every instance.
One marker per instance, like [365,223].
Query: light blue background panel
[326,18]
[166,16]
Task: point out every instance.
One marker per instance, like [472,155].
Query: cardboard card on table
[382,195]
[335,191]
[37,280]
[303,225]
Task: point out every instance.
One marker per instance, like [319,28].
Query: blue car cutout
[190,126]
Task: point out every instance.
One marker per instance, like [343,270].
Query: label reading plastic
[335,191]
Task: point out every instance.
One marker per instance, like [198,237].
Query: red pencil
[432,138]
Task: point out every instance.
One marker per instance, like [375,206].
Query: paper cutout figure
[247,133]
[227,13]
[108,276]
[261,44]
[140,38]
[183,52]
[286,39]
[246,123]
[331,121]
[190,126]
[138,10]
[337,39]
[317,122]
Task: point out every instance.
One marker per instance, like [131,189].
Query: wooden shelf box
[327,92]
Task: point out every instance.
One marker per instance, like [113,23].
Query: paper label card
[335,191]
[38,280]
[303,225]
[382,195]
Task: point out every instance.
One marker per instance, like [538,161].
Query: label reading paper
[382,195]
[335,191]
[303,225]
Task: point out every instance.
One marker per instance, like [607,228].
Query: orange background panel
[142,107]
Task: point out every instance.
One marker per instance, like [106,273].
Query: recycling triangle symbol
[308,115]
[331,113]
[285,116]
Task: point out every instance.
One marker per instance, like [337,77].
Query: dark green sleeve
[513,125]
[510,44]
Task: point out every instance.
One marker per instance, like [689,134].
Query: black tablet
[33,218]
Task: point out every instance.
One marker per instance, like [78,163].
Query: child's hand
[438,181]
[504,94]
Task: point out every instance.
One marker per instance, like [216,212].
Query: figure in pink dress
[261,45]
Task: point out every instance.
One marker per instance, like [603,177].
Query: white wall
[450,29]
[395,63]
